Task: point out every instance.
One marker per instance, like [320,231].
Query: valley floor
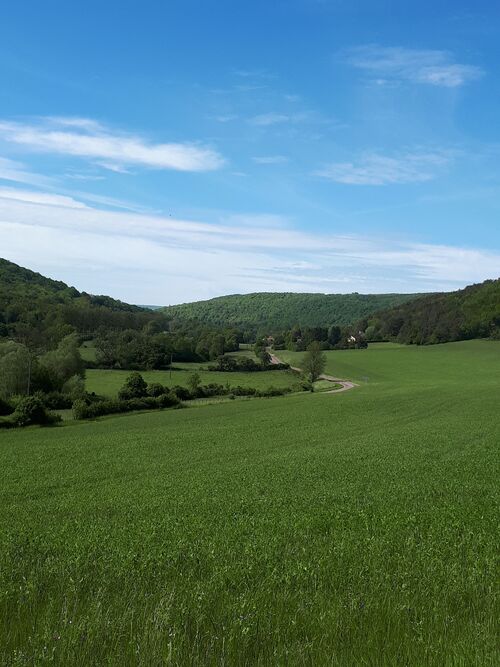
[350,529]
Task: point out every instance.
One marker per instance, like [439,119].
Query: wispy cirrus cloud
[270,159]
[114,150]
[424,66]
[226,118]
[254,74]
[45,199]
[378,169]
[271,118]
[11,170]
[163,260]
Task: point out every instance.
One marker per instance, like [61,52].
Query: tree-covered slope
[473,312]
[277,311]
[32,306]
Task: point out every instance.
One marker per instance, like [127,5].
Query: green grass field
[314,529]
[108,383]
[87,351]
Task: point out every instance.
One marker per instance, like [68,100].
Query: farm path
[346,384]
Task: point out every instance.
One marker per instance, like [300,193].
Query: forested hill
[32,306]
[473,312]
[274,311]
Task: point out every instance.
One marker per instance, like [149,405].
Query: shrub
[145,403]
[231,364]
[55,400]
[31,410]
[156,389]
[274,391]
[135,387]
[212,389]
[182,393]
[15,399]
[168,400]
[243,391]
[84,410]
[80,409]
[194,381]
[74,387]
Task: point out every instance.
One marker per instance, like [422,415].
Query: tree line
[274,312]
[333,337]
[473,312]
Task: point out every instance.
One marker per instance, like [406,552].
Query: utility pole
[170,373]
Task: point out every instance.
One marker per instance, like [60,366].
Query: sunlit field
[313,529]
[109,382]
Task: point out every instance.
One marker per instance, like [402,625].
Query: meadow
[109,382]
[313,529]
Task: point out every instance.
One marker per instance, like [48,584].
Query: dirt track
[346,384]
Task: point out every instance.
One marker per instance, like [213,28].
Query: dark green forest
[275,312]
[41,311]
[473,312]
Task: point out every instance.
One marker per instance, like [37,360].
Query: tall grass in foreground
[357,529]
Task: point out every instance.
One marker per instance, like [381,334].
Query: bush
[243,391]
[168,400]
[135,387]
[230,364]
[194,381]
[156,389]
[212,389]
[305,385]
[84,410]
[31,410]
[274,391]
[80,409]
[182,393]
[55,400]
[74,387]
[145,403]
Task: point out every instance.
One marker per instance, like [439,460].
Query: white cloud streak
[27,196]
[378,169]
[432,67]
[267,119]
[89,139]
[152,259]
[270,159]
[10,170]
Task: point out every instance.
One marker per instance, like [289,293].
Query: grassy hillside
[357,529]
[275,311]
[473,312]
[32,306]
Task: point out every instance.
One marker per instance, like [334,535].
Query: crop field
[314,529]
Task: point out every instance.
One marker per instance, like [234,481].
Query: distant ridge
[276,311]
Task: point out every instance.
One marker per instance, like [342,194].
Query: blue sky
[164,152]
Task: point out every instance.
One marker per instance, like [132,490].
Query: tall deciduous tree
[314,362]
